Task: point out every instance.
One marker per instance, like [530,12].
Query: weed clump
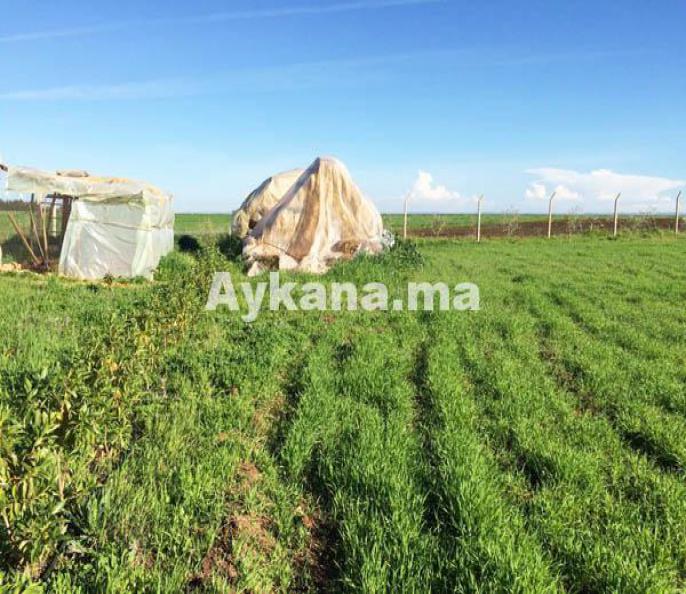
[403,254]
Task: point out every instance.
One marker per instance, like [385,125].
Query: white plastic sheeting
[117,227]
[261,200]
[322,218]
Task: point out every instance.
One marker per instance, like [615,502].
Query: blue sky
[205,99]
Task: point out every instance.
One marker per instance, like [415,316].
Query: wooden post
[53,216]
[478,219]
[34,227]
[550,214]
[66,212]
[407,198]
[614,233]
[676,218]
[44,232]
[23,238]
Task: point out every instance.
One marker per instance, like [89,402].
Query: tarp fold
[322,218]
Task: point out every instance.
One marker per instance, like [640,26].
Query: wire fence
[513,224]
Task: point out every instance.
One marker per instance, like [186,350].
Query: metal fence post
[676,218]
[550,214]
[478,219]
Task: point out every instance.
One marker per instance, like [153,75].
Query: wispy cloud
[215,17]
[553,57]
[598,187]
[338,73]
[129,90]
[281,77]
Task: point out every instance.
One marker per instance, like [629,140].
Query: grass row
[486,546]
[636,401]
[199,504]
[352,442]
[560,462]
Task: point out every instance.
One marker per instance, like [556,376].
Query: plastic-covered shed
[115,227]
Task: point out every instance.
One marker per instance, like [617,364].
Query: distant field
[427,221]
[207,224]
[455,226]
[202,224]
[461,225]
[425,224]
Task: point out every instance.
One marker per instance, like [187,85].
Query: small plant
[438,224]
[574,221]
[643,222]
[405,254]
[511,222]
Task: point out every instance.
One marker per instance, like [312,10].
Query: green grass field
[202,224]
[6,229]
[536,445]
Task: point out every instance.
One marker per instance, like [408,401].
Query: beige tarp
[261,200]
[117,227]
[323,217]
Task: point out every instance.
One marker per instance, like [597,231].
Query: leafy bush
[403,254]
[188,243]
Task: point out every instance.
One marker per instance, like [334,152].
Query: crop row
[352,442]
[198,503]
[487,547]
[636,401]
[566,460]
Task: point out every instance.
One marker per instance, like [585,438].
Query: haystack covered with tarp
[261,200]
[116,227]
[322,218]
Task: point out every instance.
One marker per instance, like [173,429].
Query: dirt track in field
[564,226]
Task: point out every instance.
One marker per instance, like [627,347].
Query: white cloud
[599,187]
[536,191]
[565,193]
[539,191]
[425,189]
